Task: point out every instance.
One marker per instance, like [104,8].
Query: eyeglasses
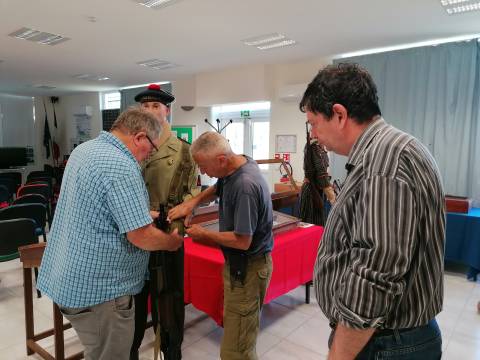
[151,142]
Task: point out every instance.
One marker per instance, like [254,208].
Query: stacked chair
[15,233]
[5,196]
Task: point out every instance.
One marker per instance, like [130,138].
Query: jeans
[419,343]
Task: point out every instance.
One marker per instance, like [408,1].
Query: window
[111,100]
[249,132]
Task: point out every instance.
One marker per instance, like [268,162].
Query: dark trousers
[168,308]
[418,343]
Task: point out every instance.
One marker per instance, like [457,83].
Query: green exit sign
[245,113]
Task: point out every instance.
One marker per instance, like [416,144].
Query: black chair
[49,169]
[36,212]
[42,189]
[34,199]
[46,181]
[33,174]
[15,176]
[5,196]
[9,183]
[13,234]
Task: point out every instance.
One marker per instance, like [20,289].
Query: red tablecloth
[294,253]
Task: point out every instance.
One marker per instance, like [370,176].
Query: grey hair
[211,143]
[134,120]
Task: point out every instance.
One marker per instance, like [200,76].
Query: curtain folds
[433,93]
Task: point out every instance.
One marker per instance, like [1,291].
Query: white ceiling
[200,36]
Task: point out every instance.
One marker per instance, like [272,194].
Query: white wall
[235,85]
[65,108]
[250,84]
[239,84]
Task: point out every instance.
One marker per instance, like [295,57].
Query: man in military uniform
[170,176]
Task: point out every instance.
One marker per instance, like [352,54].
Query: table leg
[28,300]
[58,333]
[307,291]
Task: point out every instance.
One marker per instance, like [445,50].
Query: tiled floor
[290,328]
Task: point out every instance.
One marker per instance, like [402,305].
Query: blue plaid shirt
[88,259]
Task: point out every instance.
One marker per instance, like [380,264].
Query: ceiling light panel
[269,41]
[157,64]
[90,77]
[44,87]
[263,39]
[277,44]
[40,37]
[453,7]
[156,4]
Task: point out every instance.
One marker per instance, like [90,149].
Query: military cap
[155,93]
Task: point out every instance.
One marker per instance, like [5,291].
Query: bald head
[212,144]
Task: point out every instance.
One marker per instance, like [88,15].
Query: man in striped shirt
[379,270]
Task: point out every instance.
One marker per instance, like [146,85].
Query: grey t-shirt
[246,207]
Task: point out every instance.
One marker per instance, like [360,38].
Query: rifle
[165,287]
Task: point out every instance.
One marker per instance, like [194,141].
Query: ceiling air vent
[44,87]
[40,37]
[156,4]
[454,7]
[157,64]
[269,41]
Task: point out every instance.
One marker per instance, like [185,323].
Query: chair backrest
[5,196]
[42,189]
[16,176]
[15,233]
[31,199]
[36,212]
[49,169]
[37,173]
[9,183]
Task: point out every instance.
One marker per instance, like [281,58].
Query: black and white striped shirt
[380,262]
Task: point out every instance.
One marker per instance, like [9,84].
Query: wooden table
[31,257]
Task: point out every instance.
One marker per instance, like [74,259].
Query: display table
[463,238]
[294,253]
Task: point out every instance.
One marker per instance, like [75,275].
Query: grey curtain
[433,93]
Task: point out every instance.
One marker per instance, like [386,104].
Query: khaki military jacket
[159,170]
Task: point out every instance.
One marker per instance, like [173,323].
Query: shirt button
[170,161]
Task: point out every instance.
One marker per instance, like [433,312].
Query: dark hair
[347,84]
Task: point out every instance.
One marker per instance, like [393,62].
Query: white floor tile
[290,329]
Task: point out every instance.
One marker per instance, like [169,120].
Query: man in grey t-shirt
[245,237]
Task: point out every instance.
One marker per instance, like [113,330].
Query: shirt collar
[362,143]
[112,139]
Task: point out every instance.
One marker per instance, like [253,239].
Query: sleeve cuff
[352,320]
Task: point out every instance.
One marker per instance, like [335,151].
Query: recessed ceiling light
[157,64]
[263,39]
[90,77]
[83,76]
[44,87]
[269,41]
[453,7]
[156,4]
[452,2]
[278,44]
[40,37]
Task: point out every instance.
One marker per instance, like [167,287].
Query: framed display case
[281,222]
